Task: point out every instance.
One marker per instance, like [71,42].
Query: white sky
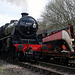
[10,10]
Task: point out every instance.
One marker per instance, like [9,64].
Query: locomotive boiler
[26,26]
[19,39]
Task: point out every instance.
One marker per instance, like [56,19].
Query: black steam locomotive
[19,39]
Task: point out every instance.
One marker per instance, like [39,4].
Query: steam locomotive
[19,39]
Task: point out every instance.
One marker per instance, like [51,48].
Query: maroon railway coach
[60,45]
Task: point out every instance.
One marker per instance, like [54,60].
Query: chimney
[24,14]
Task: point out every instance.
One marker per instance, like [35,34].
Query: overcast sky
[11,9]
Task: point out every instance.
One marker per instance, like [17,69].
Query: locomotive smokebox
[24,14]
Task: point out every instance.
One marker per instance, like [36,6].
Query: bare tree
[59,13]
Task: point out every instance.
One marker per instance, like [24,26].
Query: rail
[59,68]
[46,68]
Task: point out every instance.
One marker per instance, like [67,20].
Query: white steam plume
[33,7]
[18,2]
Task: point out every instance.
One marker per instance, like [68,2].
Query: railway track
[59,68]
[47,68]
